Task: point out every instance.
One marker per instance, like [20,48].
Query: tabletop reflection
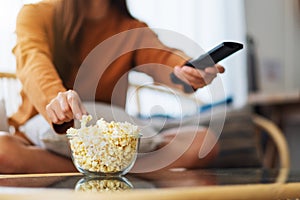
[103,184]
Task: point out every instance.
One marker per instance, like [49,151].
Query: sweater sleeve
[35,68]
[157,58]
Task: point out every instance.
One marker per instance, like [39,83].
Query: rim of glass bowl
[138,136]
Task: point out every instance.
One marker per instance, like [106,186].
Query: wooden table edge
[231,192]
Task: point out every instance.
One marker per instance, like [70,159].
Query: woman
[53,40]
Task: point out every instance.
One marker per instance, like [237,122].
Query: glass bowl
[104,155]
[106,184]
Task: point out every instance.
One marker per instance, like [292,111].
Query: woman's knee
[203,150]
[208,142]
[8,151]
[6,144]
[6,141]
[202,147]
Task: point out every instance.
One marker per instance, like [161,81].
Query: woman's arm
[36,71]
[160,61]
[35,68]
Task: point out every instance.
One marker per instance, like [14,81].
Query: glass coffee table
[167,184]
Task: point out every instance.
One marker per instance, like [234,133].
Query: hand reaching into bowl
[65,107]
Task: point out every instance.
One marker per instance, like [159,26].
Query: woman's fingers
[179,74]
[198,78]
[51,114]
[65,107]
[75,103]
[194,76]
[54,112]
[220,68]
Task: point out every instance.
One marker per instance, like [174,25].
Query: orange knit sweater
[103,74]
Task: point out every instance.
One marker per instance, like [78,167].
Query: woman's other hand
[65,107]
[198,78]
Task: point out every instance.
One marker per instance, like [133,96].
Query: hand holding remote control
[209,59]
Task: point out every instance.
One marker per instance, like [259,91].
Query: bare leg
[18,156]
[183,147]
[202,140]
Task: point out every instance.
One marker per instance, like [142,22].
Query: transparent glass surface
[154,180]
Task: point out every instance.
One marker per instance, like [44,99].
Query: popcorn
[108,148]
[103,185]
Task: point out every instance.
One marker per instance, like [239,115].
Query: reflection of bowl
[109,184]
[105,149]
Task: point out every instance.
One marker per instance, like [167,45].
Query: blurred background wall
[274,26]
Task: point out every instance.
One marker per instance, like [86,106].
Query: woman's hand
[65,107]
[198,78]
